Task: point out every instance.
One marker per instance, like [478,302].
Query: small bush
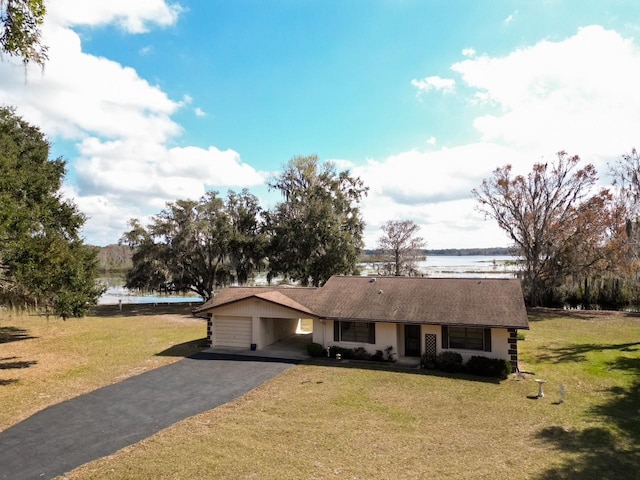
[428,361]
[378,356]
[489,367]
[345,353]
[449,361]
[315,349]
[360,353]
[520,336]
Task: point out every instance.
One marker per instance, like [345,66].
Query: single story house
[414,315]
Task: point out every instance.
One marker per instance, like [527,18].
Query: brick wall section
[513,348]
[209,331]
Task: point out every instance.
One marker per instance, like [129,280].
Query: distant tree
[20,34]
[401,247]
[316,231]
[196,245]
[558,226]
[248,243]
[43,260]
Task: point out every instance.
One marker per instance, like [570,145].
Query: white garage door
[232,332]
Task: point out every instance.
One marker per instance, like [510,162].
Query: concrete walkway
[65,436]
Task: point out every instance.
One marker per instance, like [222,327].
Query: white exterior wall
[499,344]
[270,322]
[386,335]
[274,329]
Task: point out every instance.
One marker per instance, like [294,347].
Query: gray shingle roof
[439,301]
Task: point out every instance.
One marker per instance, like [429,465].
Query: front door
[412,340]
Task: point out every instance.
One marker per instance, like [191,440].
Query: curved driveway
[65,436]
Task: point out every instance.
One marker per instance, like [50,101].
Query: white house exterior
[414,315]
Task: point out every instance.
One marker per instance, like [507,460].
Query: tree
[20,35]
[316,232]
[197,245]
[400,246]
[43,261]
[558,227]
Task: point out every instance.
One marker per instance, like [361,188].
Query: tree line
[577,244]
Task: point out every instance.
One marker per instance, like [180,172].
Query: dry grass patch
[332,422]
[45,361]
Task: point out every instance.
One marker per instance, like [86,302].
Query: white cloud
[128,164]
[511,18]
[199,112]
[446,85]
[432,141]
[469,52]
[131,16]
[579,94]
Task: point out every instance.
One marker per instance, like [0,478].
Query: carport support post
[255,331]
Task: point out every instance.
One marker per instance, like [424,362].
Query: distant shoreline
[453,252]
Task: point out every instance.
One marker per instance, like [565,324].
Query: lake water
[471,266]
[437,266]
[117,294]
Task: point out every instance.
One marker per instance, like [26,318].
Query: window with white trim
[357,332]
[466,338]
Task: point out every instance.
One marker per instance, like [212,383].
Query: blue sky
[152,101]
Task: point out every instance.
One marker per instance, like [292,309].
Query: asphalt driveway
[65,436]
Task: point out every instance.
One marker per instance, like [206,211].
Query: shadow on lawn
[10,363]
[578,352]
[603,452]
[136,309]
[185,349]
[14,334]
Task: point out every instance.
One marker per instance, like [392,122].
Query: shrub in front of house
[428,361]
[315,349]
[488,367]
[360,353]
[449,361]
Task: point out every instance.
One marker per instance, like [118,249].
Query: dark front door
[412,340]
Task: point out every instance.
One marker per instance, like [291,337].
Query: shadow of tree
[13,334]
[5,365]
[611,452]
[7,381]
[578,352]
[136,309]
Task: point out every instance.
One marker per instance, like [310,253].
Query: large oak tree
[43,260]
[197,245]
[316,231]
[560,227]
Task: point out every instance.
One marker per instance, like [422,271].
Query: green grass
[334,422]
[45,361]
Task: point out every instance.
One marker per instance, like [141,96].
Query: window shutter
[372,333]
[336,331]
[445,336]
[487,339]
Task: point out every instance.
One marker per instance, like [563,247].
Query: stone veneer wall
[209,330]
[513,348]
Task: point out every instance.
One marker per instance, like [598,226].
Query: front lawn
[45,361]
[335,422]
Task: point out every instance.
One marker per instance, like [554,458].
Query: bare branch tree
[401,246]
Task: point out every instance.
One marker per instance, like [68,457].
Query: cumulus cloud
[199,112]
[578,94]
[468,52]
[446,85]
[133,17]
[123,127]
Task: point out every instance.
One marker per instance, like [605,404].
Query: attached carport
[252,318]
